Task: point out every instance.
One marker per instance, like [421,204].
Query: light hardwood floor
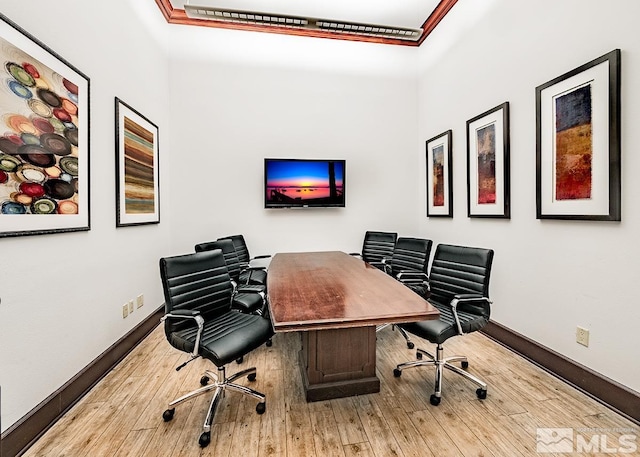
[122,415]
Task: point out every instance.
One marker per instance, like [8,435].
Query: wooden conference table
[336,301]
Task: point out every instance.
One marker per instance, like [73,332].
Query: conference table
[336,301]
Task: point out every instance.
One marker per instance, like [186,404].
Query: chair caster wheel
[410,345]
[481,393]
[251,377]
[261,408]
[204,380]
[397,373]
[269,343]
[239,359]
[419,355]
[168,414]
[435,401]
[464,364]
[205,439]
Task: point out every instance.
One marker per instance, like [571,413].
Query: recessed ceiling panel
[398,13]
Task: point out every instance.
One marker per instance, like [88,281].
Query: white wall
[62,294]
[239,97]
[549,276]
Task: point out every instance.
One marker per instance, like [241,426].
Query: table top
[324,290]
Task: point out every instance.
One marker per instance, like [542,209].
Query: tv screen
[304,183]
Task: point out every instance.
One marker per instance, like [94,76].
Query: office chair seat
[225,338]
[440,330]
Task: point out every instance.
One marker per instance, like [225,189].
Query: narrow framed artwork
[137,177]
[440,176]
[578,143]
[488,176]
[44,149]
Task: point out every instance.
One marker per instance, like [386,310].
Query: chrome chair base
[441,363]
[220,384]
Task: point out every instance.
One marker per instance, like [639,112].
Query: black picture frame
[44,154]
[581,182]
[439,168]
[488,164]
[137,167]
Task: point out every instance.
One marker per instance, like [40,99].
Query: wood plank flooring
[122,415]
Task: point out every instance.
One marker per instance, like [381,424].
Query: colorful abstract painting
[43,148]
[138,169]
[39,147]
[573,141]
[438,176]
[137,182]
[486,150]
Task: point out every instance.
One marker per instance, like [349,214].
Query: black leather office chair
[459,283]
[251,277]
[199,320]
[409,264]
[377,246]
[249,298]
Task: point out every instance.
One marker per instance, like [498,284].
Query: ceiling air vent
[299,22]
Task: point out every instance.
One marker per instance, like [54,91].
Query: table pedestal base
[339,363]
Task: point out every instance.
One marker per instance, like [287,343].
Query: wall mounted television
[302,183]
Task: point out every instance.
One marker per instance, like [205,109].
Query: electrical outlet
[140,300]
[125,310]
[582,336]
[130,306]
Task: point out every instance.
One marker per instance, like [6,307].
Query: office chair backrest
[459,270]
[378,245]
[410,254]
[197,281]
[241,247]
[229,253]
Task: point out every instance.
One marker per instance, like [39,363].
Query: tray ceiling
[400,22]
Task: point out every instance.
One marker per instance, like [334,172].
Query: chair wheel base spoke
[464,364]
[261,408]
[205,439]
[251,377]
[397,373]
[434,400]
[168,414]
[481,393]
[204,380]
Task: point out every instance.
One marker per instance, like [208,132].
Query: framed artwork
[488,164]
[44,141]
[578,143]
[137,178]
[439,176]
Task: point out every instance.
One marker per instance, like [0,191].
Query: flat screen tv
[291,183]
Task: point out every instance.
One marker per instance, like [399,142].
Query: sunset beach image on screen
[304,182]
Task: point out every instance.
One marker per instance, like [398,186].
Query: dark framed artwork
[137,177]
[488,176]
[44,144]
[578,143]
[440,176]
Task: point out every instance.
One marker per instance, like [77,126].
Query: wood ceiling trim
[179,16]
[436,16]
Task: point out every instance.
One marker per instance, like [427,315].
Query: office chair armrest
[412,277]
[188,314]
[475,303]
[264,256]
